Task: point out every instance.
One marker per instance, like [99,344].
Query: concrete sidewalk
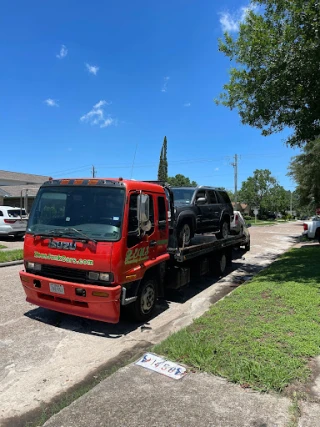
[137,397]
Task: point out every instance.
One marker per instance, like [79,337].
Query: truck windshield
[95,211]
[182,196]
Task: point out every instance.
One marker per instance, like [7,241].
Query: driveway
[43,353]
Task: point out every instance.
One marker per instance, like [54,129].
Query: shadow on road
[92,327]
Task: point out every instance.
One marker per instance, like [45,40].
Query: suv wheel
[184,234]
[224,229]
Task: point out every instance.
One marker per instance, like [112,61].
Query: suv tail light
[305,227]
[10,221]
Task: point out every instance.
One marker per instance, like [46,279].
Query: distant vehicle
[201,210]
[13,221]
[240,227]
[311,228]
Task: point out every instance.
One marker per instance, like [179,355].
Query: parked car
[311,228]
[239,226]
[201,210]
[13,221]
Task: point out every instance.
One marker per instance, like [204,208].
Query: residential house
[19,189]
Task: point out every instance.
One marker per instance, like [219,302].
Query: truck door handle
[153,243]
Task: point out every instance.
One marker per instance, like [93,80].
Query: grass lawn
[264,333]
[13,255]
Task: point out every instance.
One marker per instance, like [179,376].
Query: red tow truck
[93,246]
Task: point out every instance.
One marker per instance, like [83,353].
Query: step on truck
[95,246]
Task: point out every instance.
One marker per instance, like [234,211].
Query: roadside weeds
[12,255]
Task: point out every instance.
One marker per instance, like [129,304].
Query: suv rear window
[224,196]
[15,213]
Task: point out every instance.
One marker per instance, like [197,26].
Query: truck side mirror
[143,212]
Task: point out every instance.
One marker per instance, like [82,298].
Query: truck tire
[247,246]
[224,229]
[142,309]
[184,233]
[221,263]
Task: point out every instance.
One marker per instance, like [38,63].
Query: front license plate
[57,289]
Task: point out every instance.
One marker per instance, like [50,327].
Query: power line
[173,162]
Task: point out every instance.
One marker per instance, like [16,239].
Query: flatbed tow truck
[95,246]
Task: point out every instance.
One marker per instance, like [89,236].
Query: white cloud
[230,22]
[187,104]
[165,84]
[93,69]
[97,116]
[63,52]
[51,102]
[216,169]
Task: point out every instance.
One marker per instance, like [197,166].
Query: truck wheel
[224,229]
[221,263]
[142,309]
[184,234]
[247,246]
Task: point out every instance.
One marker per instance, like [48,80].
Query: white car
[312,228]
[13,221]
[240,227]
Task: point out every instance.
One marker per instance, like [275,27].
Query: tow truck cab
[94,244]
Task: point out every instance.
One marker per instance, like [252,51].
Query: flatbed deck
[204,244]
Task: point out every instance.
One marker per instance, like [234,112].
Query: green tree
[305,170]
[181,181]
[278,199]
[163,163]
[275,82]
[262,190]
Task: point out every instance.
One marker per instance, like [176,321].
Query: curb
[8,264]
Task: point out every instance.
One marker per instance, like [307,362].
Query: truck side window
[133,220]
[1,214]
[151,213]
[162,209]
[133,212]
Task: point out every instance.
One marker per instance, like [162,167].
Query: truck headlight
[97,276]
[34,266]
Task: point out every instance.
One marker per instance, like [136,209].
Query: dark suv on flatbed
[200,210]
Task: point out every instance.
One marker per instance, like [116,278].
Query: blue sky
[92,83]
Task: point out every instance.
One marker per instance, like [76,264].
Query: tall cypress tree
[163,163]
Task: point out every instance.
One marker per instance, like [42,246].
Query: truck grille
[63,273]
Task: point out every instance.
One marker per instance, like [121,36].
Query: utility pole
[291,203]
[94,171]
[235,167]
